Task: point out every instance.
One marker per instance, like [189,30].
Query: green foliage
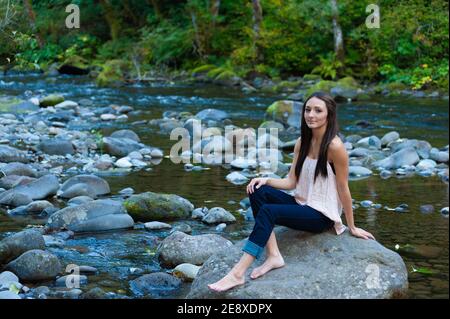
[168,44]
[295,38]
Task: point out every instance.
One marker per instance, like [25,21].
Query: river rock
[10,154]
[56,146]
[126,134]
[35,265]
[156,226]
[41,188]
[155,206]
[15,245]
[12,181]
[359,171]
[406,156]
[35,207]
[178,248]
[155,285]
[439,156]
[236,178]
[306,275]
[212,114]
[186,271]
[120,147]
[217,215]
[426,164]
[98,215]
[96,185]
[389,138]
[18,169]
[367,142]
[51,100]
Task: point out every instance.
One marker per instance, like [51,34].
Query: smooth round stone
[123,163]
[366,203]
[156,153]
[186,271]
[221,227]
[107,117]
[444,211]
[385,174]
[71,280]
[426,164]
[185,228]
[156,226]
[127,191]
[377,206]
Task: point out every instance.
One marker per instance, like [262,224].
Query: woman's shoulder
[336,149]
[336,144]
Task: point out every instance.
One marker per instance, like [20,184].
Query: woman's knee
[261,191]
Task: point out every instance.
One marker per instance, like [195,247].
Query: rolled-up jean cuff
[253,249]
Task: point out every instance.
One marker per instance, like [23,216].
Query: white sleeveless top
[321,195]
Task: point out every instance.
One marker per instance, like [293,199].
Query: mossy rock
[323,86]
[113,73]
[280,111]
[51,100]
[312,77]
[74,65]
[396,86]
[151,206]
[287,86]
[348,82]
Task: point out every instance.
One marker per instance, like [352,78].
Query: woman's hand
[361,233]
[258,182]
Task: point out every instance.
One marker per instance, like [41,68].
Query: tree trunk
[337,32]
[32,20]
[156,9]
[198,42]
[111,19]
[257,20]
[215,12]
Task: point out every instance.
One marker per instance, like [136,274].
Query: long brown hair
[306,136]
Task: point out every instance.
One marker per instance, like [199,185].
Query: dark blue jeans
[272,207]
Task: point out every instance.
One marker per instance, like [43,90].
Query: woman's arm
[338,155]
[287,183]
[290,180]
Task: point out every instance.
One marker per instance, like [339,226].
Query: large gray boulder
[20,169]
[179,248]
[15,245]
[126,134]
[56,146]
[318,266]
[98,215]
[35,265]
[405,156]
[41,188]
[89,185]
[10,154]
[120,146]
[151,206]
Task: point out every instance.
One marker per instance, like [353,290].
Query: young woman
[319,174]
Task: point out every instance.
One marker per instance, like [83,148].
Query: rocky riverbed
[79,233]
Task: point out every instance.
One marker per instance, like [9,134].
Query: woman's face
[316,113]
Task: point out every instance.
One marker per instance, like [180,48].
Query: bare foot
[270,263]
[227,282]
